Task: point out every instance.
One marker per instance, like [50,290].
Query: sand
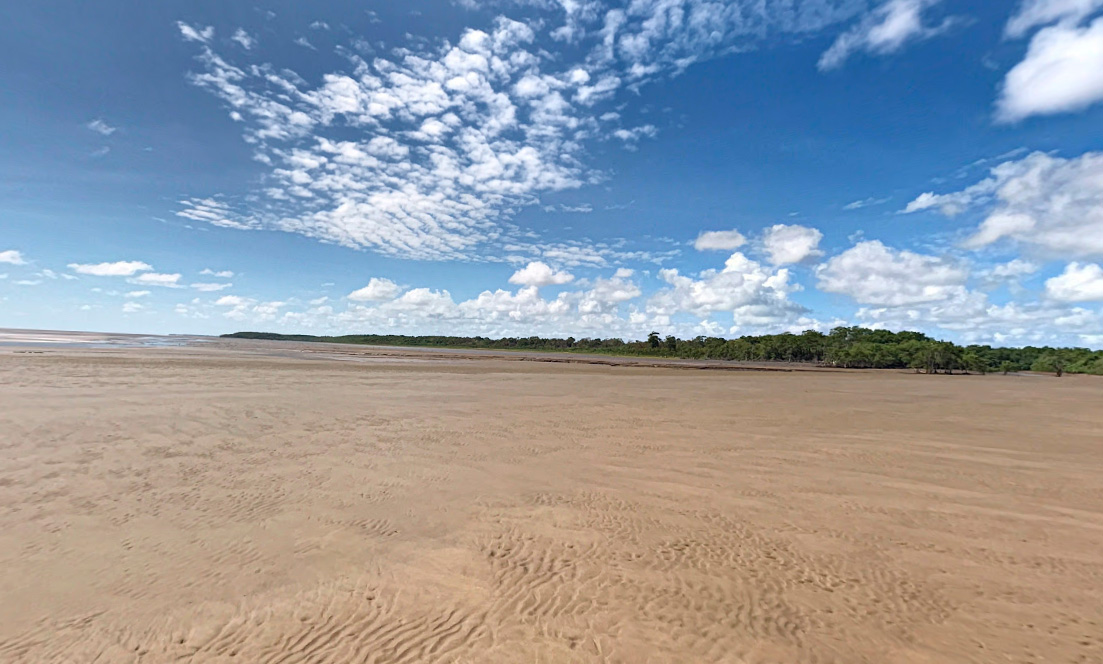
[262,503]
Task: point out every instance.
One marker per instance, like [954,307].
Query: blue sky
[555,167]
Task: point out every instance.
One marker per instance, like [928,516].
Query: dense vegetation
[850,347]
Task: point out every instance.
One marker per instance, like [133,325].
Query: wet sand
[261,503]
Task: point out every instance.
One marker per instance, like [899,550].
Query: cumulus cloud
[631,136]
[192,33]
[137,293]
[871,273]
[1062,72]
[754,295]
[886,29]
[246,40]
[1009,272]
[131,307]
[538,273]
[428,152]
[789,244]
[606,295]
[902,290]
[907,290]
[231,301]
[116,269]
[653,37]
[377,290]
[12,257]
[221,274]
[719,241]
[1035,13]
[101,127]
[1052,204]
[973,319]
[439,146]
[156,279]
[1078,283]
[241,309]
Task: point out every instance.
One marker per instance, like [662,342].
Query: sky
[586,168]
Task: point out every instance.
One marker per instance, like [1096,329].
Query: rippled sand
[231,505]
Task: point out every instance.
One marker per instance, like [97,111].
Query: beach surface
[236,501]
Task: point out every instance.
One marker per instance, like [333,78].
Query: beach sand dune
[222,506]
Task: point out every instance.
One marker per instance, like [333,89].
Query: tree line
[847,347]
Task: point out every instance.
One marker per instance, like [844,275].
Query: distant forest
[848,347]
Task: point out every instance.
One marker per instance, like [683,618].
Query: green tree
[974,363]
[653,340]
[1055,361]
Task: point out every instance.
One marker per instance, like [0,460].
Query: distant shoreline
[842,348]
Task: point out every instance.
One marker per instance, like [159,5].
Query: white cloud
[630,136]
[865,202]
[719,241]
[903,290]
[1009,272]
[871,273]
[101,127]
[213,212]
[191,33]
[246,40]
[972,319]
[433,187]
[789,244]
[12,257]
[538,273]
[137,293]
[377,290]
[117,269]
[1035,13]
[607,295]
[1062,72]
[1052,204]
[1078,283]
[756,296]
[156,279]
[584,208]
[131,307]
[211,287]
[242,309]
[884,30]
[221,274]
[753,297]
[654,37]
[430,151]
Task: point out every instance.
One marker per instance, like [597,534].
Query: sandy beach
[252,502]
